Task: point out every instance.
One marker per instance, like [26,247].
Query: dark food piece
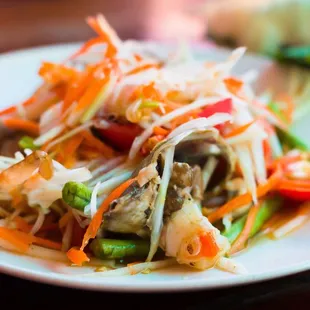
[181,178]
[129,213]
[197,186]
[297,55]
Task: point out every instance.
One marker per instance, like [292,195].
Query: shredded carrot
[233,85]
[239,130]
[146,92]
[13,109]
[78,256]
[142,68]
[21,240]
[95,24]
[56,73]
[46,168]
[160,131]
[294,184]
[11,236]
[73,144]
[244,199]
[137,57]
[9,110]
[88,45]
[69,149]
[89,153]
[24,125]
[267,152]
[97,144]
[184,119]
[22,225]
[240,242]
[150,143]
[47,243]
[78,87]
[90,94]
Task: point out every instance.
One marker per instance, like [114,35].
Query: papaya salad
[131,161]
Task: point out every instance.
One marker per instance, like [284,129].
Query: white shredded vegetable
[208,170]
[51,134]
[167,118]
[107,186]
[38,223]
[93,201]
[246,165]
[259,160]
[290,226]
[157,216]
[132,270]
[227,264]
[69,134]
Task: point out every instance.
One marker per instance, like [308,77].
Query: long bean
[76,195]
[119,249]
[267,209]
[292,141]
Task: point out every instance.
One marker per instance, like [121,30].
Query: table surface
[285,293]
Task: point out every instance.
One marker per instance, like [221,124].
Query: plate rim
[156,287]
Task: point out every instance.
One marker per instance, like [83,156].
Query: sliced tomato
[298,190]
[223,106]
[300,194]
[120,136]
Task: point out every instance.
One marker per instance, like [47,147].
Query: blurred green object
[26,142]
[263,26]
[291,140]
[287,137]
[298,55]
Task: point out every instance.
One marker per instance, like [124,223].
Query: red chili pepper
[298,190]
[120,136]
[223,106]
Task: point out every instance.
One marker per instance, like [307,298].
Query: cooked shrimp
[192,239]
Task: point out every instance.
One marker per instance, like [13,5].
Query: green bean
[267,209]
[76,195]
[26,142]
[119,249]
[291,140]
[286,137]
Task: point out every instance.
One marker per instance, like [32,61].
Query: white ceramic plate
[266,260]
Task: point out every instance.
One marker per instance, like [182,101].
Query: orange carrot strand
[245,233]
[78,256]
[239,130]
[24,125]
[244,199]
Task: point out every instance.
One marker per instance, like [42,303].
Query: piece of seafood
[166,207]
